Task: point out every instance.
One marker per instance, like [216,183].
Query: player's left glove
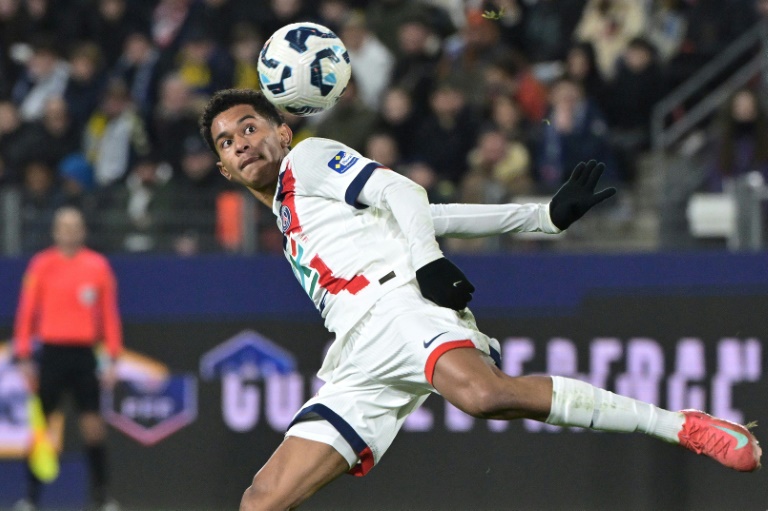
[577,195]
[444,283]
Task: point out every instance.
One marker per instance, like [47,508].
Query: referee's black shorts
[68,369]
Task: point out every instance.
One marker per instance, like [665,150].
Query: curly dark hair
[225,99]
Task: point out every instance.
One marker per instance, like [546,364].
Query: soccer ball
[304,68]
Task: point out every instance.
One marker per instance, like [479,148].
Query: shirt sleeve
[477,220]
[329,169]
[408,203]
[113,329]
[26,311]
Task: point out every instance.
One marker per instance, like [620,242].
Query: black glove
[443,282]
[577,195]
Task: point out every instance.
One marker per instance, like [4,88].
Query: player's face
[250,148]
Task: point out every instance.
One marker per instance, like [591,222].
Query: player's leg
[86,390]
[51,383]
[469,380]
[298,468]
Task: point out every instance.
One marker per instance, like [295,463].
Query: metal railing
[677,180]
[25,229]
[663,136]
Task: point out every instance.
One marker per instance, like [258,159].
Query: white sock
[577,403]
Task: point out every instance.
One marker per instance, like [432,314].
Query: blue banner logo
[342,162]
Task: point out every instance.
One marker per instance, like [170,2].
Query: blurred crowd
[478,101]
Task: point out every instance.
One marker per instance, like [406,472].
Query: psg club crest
[285,218]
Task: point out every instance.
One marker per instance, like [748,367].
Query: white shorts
[385,373]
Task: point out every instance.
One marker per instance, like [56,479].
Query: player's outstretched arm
[569,204]
[577,195]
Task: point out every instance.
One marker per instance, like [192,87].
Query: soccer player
[361,241]
[69,302]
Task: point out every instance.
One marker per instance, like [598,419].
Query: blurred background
[657,293]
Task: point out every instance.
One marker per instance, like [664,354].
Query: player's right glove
[577,195]
[444,283]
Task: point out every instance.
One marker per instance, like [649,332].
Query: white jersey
[344,254]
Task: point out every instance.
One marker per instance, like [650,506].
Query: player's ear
[286,135]
[223,170]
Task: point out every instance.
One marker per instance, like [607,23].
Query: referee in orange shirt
[69,302]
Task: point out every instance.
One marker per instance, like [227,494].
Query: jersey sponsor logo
[342,162]
[285,218]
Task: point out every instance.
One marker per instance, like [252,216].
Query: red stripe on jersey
[439,351]
[288,193]
[335,285]
[365,465]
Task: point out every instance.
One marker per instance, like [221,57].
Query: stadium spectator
[507,116]
[69,302]
[334,14]
[610,25]
[110,23]
[580,65]
[467,54]
[11,132]
[418,52]
[439,190]
[575,130]
[447,133]
[13,36]
[499,169]
[667,27]
[138,68]
[168,18]
[350,121]
[86,83]
[136,214]
[244,52]
[52,137]
[284,12]
[372,62]
[114,135]
[397,116]
[386,17]
[40,196]
[513,14]
[194,200]
[511,75]
[174,120]
[548,28]
[40,17]
[382,147]
[45,76]
[203,64]
[629,100]
[710,26]
[216,18]
[76,181]
[738,136]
